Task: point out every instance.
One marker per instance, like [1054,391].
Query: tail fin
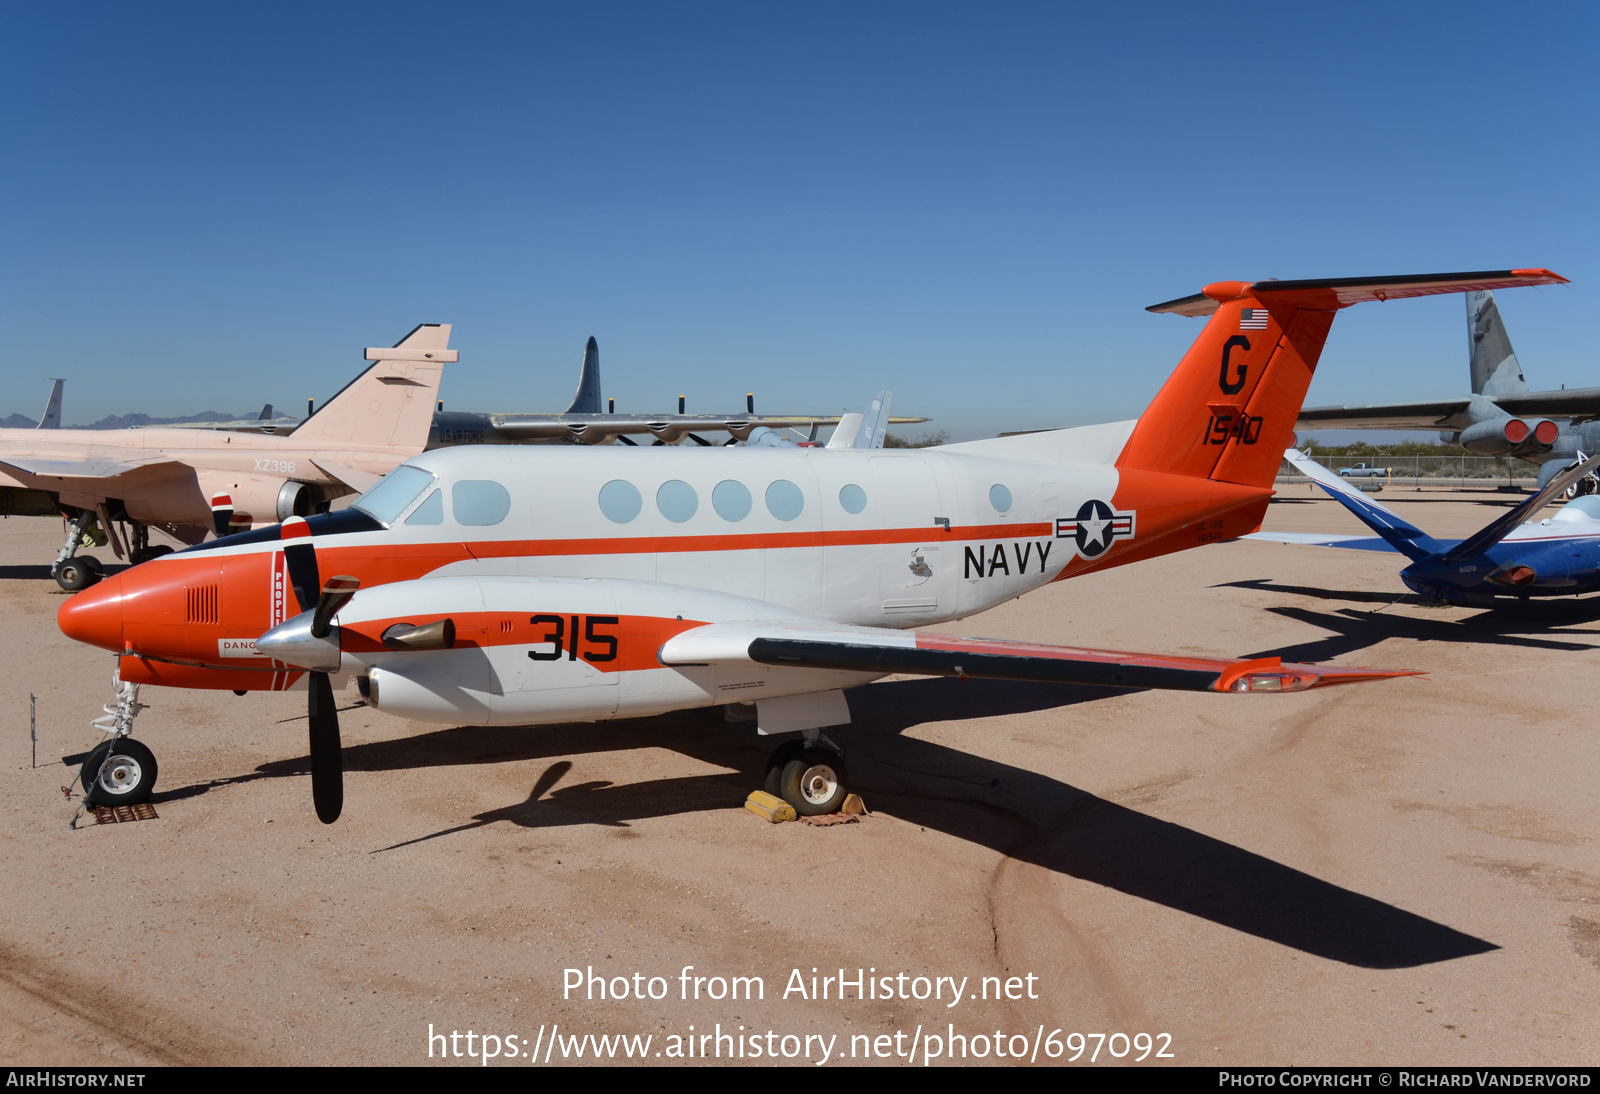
[1495,370]
[1228,411]
[390,405]
[1408,539]
[52,409]
[875,427]
[266,413]
[587,400]
[847,431]
[864,430]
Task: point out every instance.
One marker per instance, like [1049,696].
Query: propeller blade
[335,595]
[701,441]
[327,764]
[301,558]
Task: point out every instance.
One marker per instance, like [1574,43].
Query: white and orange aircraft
[518,586]
[189,482]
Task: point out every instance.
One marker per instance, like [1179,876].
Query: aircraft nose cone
[94,616]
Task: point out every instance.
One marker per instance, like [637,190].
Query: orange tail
[1200,463]
[1228,411]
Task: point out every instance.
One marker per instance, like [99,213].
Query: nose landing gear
[119,770]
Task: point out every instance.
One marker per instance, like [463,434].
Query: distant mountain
[17,421]
[131,421]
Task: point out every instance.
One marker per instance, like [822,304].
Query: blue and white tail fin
[1408,539]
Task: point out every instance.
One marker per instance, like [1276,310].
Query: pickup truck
[1364,471]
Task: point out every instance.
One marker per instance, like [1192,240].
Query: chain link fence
[1412,470]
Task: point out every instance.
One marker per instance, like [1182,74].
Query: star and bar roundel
[1096,527]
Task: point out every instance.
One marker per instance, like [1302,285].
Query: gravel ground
[1403,872]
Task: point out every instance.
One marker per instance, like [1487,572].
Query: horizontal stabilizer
[1341,292]
[426,342]
[1324,539]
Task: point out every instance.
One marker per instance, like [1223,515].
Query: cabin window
[852,498]
[785,500]
[430,511]
[391,497]
[731,500]
[620,501]
[1000,498]
[677,501]
[479,502]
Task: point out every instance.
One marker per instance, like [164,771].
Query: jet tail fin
[875,426]
[587,400]
[1229,408]
[51,418]
[1408,539]
[1497,529]
[1493,362]
[390,405]
[864,430]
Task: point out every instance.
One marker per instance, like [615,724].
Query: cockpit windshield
[391,497]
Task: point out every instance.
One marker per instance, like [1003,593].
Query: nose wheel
[812,778]
[121,771]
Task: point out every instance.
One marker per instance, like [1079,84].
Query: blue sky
[213,206]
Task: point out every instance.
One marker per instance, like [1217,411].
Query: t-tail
[1493,362]
[587,400]
[390,405]
[1200,462]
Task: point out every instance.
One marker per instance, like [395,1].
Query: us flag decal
[1253,319]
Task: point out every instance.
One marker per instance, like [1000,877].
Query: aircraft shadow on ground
[41,571]
[1535,625]
[25,573]
[1022,814]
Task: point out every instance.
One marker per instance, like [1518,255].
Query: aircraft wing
[1582,402]
[1325,539]
[917,653]
[1435,414]
[1578,402]
[102,467]
[600,428]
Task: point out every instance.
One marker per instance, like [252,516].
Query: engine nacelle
[1509,437]
[299,499]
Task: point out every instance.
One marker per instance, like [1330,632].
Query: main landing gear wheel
[773,783]
[119,772]
[814,782]
[77,573]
